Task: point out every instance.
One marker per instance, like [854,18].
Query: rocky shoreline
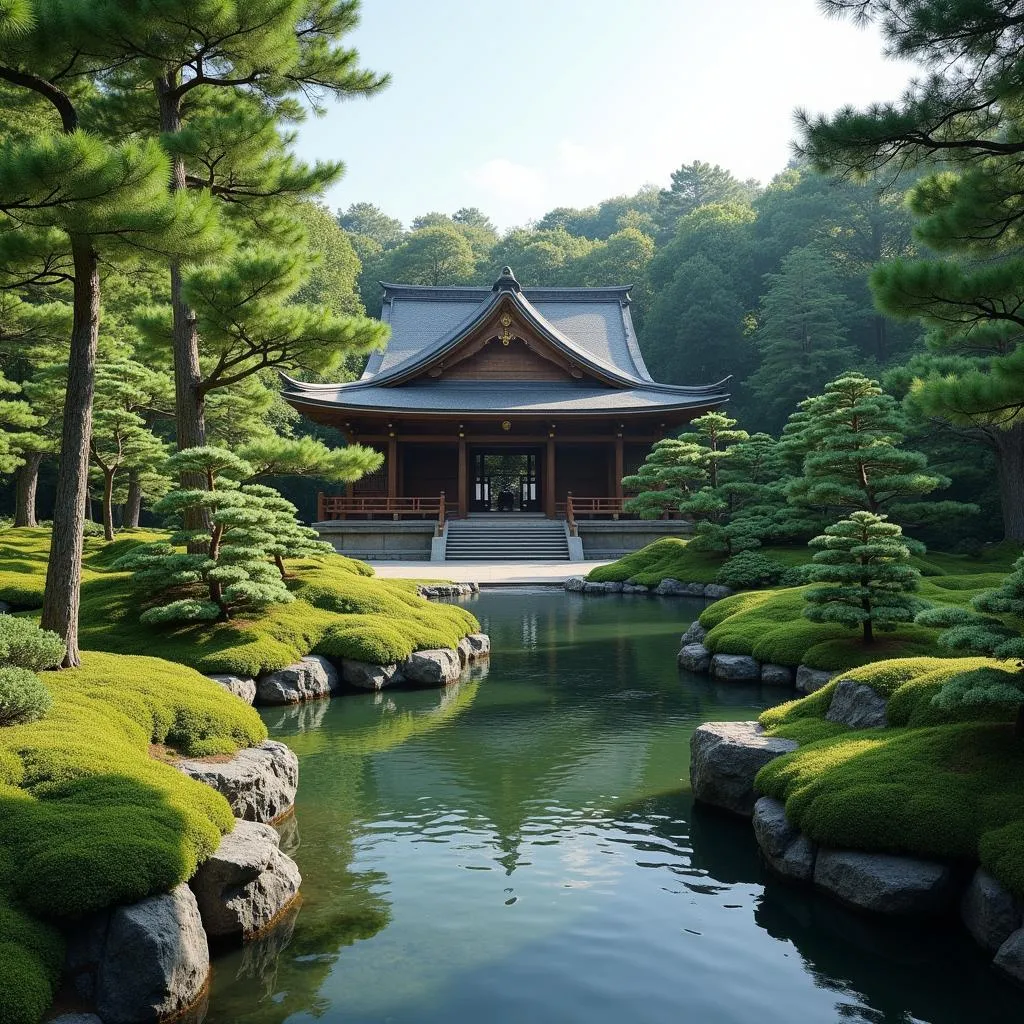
[725,758]
[666,588]
[150,961]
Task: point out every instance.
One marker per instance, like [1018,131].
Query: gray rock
[242,687]
[724,759]
[442,590]
[246,884]
[884,883]
[1010,957]
[614,587]
[75,1018]
[695,658]
[479,646]
[787,850]
[694,634]
[809,680]
[432,668]
[594,588]
[366,676]
[857,705]
[715,591]
[674,588]
[462,649]
[777,675]
[635,588]
[735,668]
[311,678]
[258,782]
[575,584]
[155,960]
[989,912]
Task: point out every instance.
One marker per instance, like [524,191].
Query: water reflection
[525,848]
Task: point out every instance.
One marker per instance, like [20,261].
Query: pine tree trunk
[108,505]
[133,505]
[1018,728]
[189,401]
[64,569]
[1009,450]
[27,481]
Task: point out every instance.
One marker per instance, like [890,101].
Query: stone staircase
[506,539]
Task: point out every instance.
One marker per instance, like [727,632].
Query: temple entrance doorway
[505,480]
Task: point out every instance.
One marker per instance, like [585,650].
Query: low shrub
[25,645]
[23,697]
[750,569]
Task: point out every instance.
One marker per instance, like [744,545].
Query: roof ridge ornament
[507,282]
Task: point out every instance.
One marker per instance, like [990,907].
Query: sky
[520,107]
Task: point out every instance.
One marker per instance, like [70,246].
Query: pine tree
[70,196]
[673,469]
[963,118]
[851,439]
[275,455]
[863,563]
[121,438]
[802,331]
[997,635]
[251,529]
[17,424]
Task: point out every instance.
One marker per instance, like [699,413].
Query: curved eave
[690,404]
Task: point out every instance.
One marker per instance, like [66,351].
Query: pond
[524,847]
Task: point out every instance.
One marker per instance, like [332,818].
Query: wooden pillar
[549,478]
[463,480]
[392,459]
[619,464]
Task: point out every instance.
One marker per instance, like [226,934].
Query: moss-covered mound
[89,819]
[769,625]
[928,785]
[673,558]
[341,610]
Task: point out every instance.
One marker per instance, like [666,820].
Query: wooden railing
[331,506]
[603,508]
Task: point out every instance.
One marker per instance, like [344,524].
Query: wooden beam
[511,440]
[392,459]
[619,464]
[549,479]
[463,479]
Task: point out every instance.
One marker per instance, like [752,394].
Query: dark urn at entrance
[506,481]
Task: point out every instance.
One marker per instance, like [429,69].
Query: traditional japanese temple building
[508,401]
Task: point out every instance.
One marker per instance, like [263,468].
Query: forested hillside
[768,285]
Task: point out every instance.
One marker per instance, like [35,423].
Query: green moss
[88,819]
[769,625]
[945,791]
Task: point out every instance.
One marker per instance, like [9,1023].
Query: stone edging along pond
[725,758]
[150,961]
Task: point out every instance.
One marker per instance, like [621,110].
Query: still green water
[524,847]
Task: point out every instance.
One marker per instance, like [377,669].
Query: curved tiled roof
[590,326]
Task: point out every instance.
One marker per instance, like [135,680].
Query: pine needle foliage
[996,634]
[852,439]
[863,565]
[239,568]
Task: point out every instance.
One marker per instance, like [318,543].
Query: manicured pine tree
[851,438]
[674,469]
[997,635]
[72,198]
[276,455]
[963,118]
[290,538]
[863,565]
[233,571]
[17,426]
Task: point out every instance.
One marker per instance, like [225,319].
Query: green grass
[341,610]
[88,819]
[673,558]
[932,785]
[769,625]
